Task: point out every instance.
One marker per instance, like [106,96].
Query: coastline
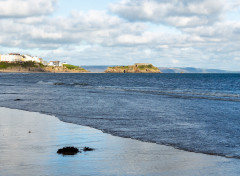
[24,71]
[38,72]
[24,153]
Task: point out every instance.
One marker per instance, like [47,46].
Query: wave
[6,85]
[221,96]
[71,84]
[178,93]
[46,82]
[62,83]
[115,133]
[179,147]
[181,93]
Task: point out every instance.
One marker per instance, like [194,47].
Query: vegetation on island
[120,67]
[149,66]
[72,67]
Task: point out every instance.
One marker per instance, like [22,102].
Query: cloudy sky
[171,33]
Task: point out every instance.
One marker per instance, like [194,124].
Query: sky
[166,33]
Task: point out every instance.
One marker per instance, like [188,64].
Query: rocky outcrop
[64,70]
[137,68]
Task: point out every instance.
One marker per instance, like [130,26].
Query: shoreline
[40,72]
[111,73]
[24,153]
[8,71]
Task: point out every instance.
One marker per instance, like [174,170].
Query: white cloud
[93,27]
[175,61]
[25,8]
[180,13]
[199,36]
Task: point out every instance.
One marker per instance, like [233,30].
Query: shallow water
[193,112]
[24,153]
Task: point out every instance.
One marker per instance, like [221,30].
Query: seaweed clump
[87,149]
[68,151]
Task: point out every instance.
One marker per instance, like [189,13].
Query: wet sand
[24,153]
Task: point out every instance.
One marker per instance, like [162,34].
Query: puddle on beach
[29,142]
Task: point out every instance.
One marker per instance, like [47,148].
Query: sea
[192,112]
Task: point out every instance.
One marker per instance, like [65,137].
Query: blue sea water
[193,112]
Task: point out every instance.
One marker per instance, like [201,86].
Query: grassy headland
[31,66]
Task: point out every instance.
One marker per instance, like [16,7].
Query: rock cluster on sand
[87,149]
[73,150]
[68,151]
[136,68]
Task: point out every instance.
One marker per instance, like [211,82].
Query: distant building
[15,57]
[44,63]
[12,57]
[28,58]
[55,63]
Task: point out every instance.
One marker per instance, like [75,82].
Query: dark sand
[23,153]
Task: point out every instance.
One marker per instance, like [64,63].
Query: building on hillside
[36,59]
[141,64]
[12,57]
[28,58]
[41,60]
[45,63]
[55,63]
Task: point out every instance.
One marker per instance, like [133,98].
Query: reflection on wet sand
[24,153]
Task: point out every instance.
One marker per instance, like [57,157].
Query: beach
[127,87]
[29,142]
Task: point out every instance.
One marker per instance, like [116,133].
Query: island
[136,68]
[25,63]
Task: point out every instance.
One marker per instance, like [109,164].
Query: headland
[14,62]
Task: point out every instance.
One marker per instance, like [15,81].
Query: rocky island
[136,68]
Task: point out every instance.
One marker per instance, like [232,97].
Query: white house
[12,57]
[44,63]
[55,63]
[30,58]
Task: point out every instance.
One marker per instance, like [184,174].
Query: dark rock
[29,132]
[17,99]
[58,84]
[68,151]
[87,149]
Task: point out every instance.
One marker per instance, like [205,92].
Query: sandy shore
[24,153]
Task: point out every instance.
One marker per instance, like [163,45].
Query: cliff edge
[136,68]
